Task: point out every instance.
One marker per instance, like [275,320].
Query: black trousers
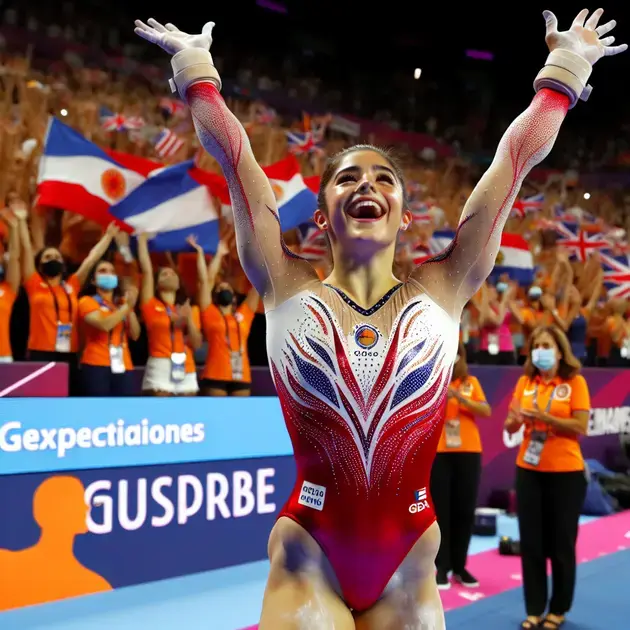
[548,509]
[454,484]
[100,381]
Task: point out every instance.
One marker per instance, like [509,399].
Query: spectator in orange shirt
[107,321]
[227,371]
[552,402]
[9,285]
[456,473]
[53,298]
[171,330]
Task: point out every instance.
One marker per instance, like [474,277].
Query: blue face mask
[502,287]
[544,358]
[535,293]
[106,281]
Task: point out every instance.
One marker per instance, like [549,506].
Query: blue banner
[95,530]
[55,434]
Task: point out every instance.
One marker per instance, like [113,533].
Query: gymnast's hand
[171,39]
[583,38]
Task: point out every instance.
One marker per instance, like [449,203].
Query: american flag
[616,275]
[526,205]
[168,143]
[420,211]
[111,121]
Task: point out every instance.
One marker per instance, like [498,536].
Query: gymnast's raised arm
[271,267]
[456,274]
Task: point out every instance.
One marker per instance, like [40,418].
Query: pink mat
[497,574]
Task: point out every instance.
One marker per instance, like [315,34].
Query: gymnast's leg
[411,600]
[300,594]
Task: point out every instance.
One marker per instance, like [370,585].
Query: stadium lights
[416,73]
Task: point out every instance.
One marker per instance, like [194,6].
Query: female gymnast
[361,361]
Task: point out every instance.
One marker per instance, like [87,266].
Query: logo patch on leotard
[421,502]
[312,495]
[366,336]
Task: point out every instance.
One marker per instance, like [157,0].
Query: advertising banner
[40,435]
[90,531]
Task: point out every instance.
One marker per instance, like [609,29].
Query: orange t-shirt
[221,331]
[43,319]
[468,431]
[97,342]
[7,298]
[163,339]
[561,452]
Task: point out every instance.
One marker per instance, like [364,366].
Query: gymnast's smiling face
[362,203]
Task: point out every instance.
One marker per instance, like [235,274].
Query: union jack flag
[301,143]
[616,275]
[581,243]
[111,121]
[526,205]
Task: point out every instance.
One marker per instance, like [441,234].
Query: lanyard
[227,333]
[553,393]
[168,310]
[56,303]
[548,407]
[99,300]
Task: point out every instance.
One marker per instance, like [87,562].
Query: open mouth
[365,210]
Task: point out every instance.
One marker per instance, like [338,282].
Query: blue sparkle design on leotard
[410,356]
[316,378]
[321,352]
[415,380]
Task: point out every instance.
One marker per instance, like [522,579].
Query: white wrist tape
[566,72]
[190,66]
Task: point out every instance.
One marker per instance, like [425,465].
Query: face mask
[502,287]
[106,281]
[535,293]
[544,358]
[52,268]
[225,297]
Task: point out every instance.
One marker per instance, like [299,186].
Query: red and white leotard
[362,393]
